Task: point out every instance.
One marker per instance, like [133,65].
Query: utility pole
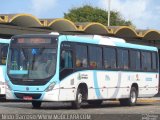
[109,13]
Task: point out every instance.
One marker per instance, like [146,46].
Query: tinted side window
[122,59]
[3,54]
[154,61]
[109,58]
[66,59]
[146,61]
[135,60]
[81,56]
[95,57]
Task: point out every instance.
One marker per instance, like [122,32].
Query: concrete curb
[148,100]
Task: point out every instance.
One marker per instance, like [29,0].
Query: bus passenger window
[123,59]
[66,59]
[135,60]
[146,61]
[109,58]
[154,61]
[95,57]
[81,56]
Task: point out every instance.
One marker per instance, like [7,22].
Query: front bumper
[39,96]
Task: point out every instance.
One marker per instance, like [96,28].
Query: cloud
[41,7]
[142,13]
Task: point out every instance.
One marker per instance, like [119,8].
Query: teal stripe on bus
[98,94]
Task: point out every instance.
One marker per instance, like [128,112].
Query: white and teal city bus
[4,44]
[80,68]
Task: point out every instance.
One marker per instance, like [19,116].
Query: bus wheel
[77,103]
[131,101]
[3,100]
[95,102]
[36,104]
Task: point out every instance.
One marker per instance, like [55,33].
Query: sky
[144,14]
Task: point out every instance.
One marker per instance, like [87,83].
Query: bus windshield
[31,62]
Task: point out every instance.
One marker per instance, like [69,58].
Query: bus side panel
[67,88]
[118,84]
[97,86]
[107,84]
[108,80]
[102,82]
[2,79]
[148,83]
[69,85]
[94,91]
[52,95]
[123,85]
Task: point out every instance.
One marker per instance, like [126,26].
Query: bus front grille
[29,82]
[34,96]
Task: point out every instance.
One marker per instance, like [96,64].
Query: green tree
[90,14]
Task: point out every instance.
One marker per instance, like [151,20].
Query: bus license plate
[27,98]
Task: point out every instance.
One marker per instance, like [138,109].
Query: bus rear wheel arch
[131,101]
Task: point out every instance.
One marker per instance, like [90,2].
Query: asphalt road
[108,110]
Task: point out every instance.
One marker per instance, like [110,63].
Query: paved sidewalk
[153,99]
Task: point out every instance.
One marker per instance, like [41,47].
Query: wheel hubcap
[133,97]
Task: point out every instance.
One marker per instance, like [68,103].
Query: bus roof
[4,40]
[110,41]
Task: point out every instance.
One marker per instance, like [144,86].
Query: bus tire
[95,102]
[36,104]
[77,103]
[131,101]
[2,99]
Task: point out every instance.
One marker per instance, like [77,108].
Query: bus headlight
[50,87]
